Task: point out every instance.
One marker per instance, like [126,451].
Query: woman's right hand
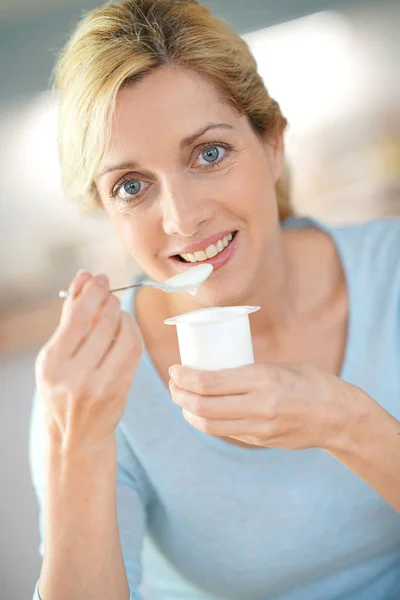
[84,372]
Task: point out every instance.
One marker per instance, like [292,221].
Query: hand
[85,370]
[279,406]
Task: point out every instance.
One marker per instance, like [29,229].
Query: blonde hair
[116,45]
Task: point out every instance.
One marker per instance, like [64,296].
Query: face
[185,178]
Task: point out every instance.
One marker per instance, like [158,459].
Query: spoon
[188,281]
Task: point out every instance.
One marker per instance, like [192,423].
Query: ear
[275,150]
[277,156]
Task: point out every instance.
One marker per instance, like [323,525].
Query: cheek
[136,234]
[255,185]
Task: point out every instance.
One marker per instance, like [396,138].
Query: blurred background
[334,68]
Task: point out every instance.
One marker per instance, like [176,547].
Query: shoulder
[366,248]
[380,234]
[377,236]
[370,254]
[373,246]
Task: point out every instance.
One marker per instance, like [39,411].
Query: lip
[217,261]
[203,244]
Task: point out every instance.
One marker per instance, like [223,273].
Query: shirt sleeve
[132,497]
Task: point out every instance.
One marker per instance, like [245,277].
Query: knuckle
[207,426]
[127,323]
[68,319]
[76,319]
[44,364]
[74,384]
[200,383]
[135,346]
[178,397]
[56,376]
[130,333]
[269,376]
[115,303]
[198,408]
[108,320]
[111,306]
[271,407]
[69,388]
[94,287]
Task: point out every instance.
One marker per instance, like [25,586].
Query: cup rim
[227,313]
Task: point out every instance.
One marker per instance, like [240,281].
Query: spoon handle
[70,294]
[140,284]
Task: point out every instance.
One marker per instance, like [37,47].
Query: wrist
[76,477]
[353,420]
[59,452]
[364,425]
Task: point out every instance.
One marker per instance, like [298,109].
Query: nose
[184,213]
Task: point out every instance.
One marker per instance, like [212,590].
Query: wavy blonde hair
[116,45]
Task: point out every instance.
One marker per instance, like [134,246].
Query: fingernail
[171,372]
[102,280]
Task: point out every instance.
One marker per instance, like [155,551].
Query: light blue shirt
[201,519]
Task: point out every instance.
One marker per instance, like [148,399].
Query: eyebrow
[187,141]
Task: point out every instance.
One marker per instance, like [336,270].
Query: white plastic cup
[215,338]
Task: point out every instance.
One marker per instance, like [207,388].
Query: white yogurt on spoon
[191,279]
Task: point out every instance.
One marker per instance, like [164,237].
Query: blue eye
[210,154]
[213,154]
[131,187]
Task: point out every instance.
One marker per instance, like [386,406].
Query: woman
[174,483]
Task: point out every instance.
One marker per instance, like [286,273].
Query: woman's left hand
[271,405]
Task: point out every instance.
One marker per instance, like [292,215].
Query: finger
[239,406]
[217,383]
[80,314]
[76,286]
[223,428]
[111,344]
[74,289]
[100,337]
[123,356]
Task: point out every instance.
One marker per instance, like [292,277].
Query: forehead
[168,100]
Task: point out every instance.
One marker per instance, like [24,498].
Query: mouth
[215,254]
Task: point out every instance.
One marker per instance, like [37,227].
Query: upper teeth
[210,251]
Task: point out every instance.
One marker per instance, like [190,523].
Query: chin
[222,293]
